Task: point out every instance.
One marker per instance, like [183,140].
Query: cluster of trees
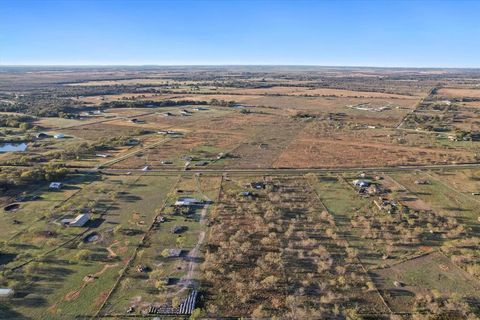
[279,255]
[16,128]
[150,104]
[78,150]
[15,177]
[222,103]
[446,308]
[43,105]
[77,91]
[55,105]
[404,227]
[164,103]
[464,253]
[23,122]
[303,115]
[462,135]
[437,123]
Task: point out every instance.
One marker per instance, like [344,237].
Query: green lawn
[57,286]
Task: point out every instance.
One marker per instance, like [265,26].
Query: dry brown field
[330,153]
[460,92]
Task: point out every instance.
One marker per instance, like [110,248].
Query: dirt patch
[100,298]
[111,253]
[72,295]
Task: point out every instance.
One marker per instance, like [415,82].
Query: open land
[207,192]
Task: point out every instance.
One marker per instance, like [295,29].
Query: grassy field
[167,278]
[80,273]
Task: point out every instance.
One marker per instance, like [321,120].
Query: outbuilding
[169,132]
[361,183]
[56,185]
[6,293]
[41,135]
[257,185]
[79,220]
[187,202]
[102,155]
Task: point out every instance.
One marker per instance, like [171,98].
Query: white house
[169,132]
[59,136]
[361,183]
[6,292]
[79,220]
[187,202]
[102,155]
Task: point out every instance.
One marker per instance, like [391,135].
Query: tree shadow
[6,312]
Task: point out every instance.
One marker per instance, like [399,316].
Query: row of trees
[403,228]
[164,103]
[464,253]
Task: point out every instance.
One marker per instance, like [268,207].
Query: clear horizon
[226,65]
[389,34]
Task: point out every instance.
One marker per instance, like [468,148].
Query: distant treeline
[78,150]
[164,103]
[42,106]
[45,105]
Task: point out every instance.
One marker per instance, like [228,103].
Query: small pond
[13,146]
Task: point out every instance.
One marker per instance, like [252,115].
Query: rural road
[187,281]
[283,171]
[265,171]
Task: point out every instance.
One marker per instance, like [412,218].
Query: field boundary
[134,255]
[415,109]
[358,259]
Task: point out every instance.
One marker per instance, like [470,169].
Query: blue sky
[353,33]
